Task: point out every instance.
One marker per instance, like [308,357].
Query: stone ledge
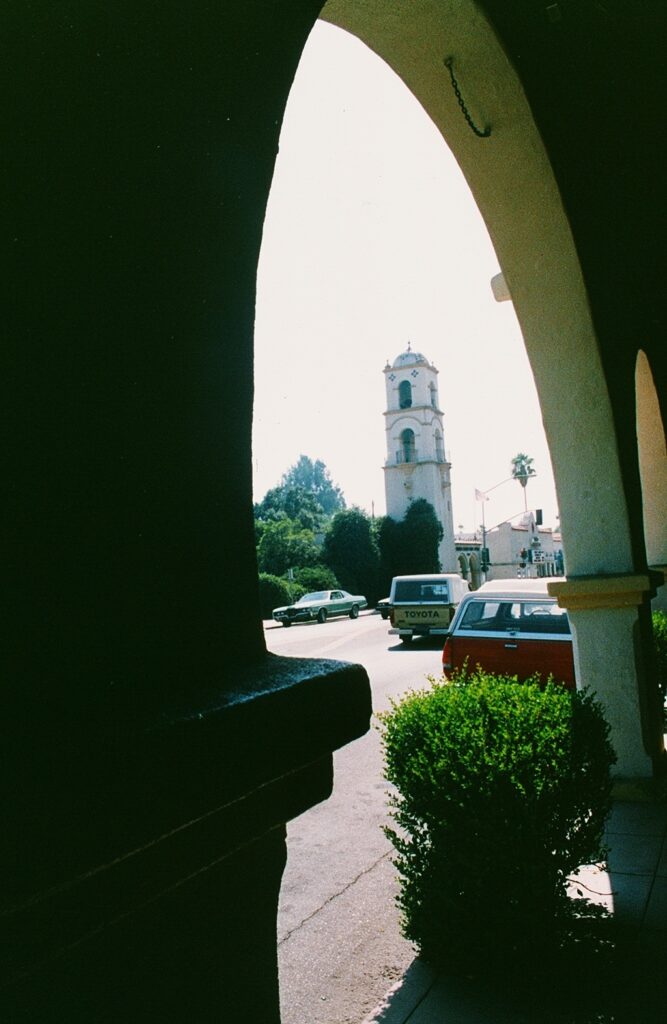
[588,592]
[142,853]
[88,795]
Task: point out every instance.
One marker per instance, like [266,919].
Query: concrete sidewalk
[632,886]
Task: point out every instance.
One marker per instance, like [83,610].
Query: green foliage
[660,647]
[387,532]
[294,503]
[284,545]
[502,790]
[288,518]
[351,552]
[522,468]
[411,545]
[316,577]
[273,592]
[314,478]
[422,533]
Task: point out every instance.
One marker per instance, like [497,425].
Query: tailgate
[514,655]
[421,616]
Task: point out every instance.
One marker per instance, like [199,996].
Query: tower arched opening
[405,394]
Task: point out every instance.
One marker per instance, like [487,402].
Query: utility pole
[483,496]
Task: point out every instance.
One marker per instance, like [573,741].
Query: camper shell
[424,604]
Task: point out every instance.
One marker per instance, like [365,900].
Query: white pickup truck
[424,605]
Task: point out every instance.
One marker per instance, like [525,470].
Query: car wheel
[322,615]
[286,622]
[385,615]
[354,611]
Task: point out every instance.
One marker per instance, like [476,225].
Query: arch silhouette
[652,454]
[513,183]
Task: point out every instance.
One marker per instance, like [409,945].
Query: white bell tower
[416,465]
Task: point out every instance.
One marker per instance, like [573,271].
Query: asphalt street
[340,946]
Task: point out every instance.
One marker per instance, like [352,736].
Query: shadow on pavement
[405,996]
[597,984]
[418,643]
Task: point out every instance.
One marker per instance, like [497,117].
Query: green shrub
[660,645]
[316,577]
[502,790]
[274,592]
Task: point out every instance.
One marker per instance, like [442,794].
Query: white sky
[372,239]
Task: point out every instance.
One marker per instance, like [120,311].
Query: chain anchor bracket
[481,133]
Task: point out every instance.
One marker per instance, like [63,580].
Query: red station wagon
[511,627]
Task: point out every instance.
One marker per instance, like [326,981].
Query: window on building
[405,394]
[439,447]
[434,395]
[408,450]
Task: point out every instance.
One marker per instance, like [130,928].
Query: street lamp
[483,496]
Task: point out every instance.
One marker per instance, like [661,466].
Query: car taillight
[447,655]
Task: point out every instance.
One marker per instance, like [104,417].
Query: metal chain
[455,86]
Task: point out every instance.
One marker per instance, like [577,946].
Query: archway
[476,576]
[653,471]
[514,186]
[408,450]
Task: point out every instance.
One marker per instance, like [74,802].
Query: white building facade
[416,465]
[523,549]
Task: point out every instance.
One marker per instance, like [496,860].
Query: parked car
[320,605]
[424,605]
[383,607]
[511,627]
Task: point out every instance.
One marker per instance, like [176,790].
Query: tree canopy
[411,544]
[289,518]
[522,468]
[314,478]
[284,545]
[351,551]
[294,503]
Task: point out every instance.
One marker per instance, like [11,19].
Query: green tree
[411,545]
[316,577]
[351,552]
[660,646]
[284,546]
[273,592]
[422,533]
[314,478]
[295,503]
[522,470]
[387,537]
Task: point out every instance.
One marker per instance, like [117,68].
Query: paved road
[340,947]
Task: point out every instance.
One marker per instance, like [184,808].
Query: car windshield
[319,595]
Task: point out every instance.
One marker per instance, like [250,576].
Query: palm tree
[522,470]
